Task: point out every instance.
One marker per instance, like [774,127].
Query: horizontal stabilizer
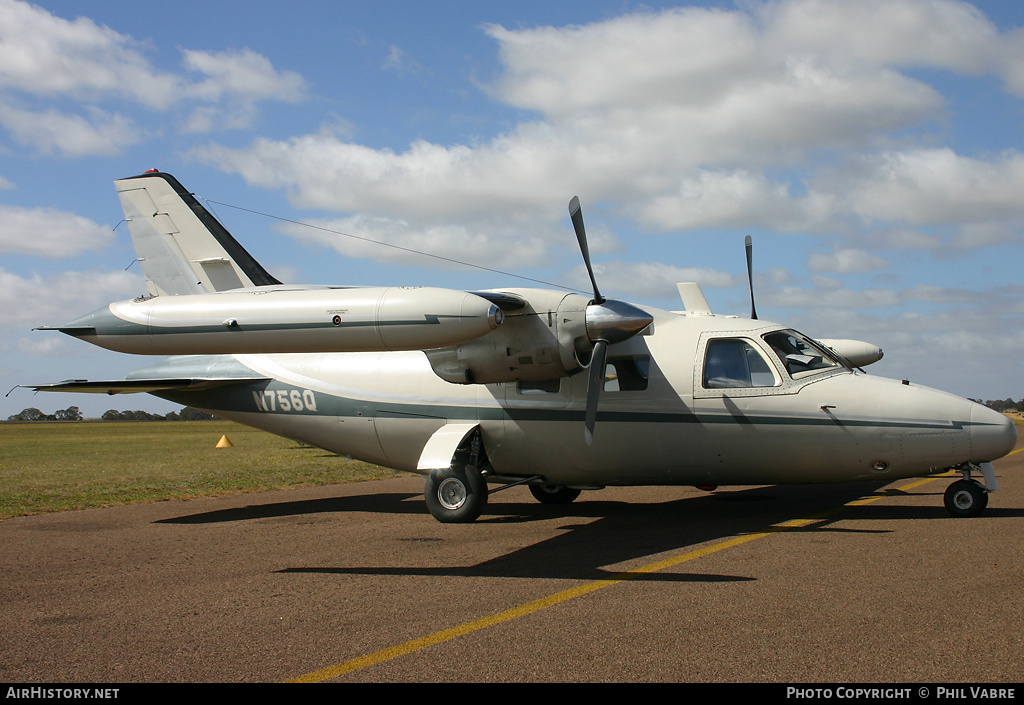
[70,329]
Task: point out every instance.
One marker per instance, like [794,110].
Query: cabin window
[627,374]
[733,363]
[799,354]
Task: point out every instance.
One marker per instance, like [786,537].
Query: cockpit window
[801,356]
[734,363]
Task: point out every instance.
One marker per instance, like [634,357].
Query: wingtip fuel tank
[287,320]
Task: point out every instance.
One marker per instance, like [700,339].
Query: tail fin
[183,249]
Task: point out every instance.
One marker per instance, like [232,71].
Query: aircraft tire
[455,495]
[553,494]
[965,498]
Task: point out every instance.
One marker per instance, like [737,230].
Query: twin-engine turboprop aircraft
[555,390]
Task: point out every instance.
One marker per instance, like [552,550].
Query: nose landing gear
[968,497]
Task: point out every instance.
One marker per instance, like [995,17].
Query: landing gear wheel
[965,498]
[554,494]
[456,495]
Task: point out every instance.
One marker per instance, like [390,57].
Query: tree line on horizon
[72,413]
[1007,404]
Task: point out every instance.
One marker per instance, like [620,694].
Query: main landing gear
[458,494]
[968,497]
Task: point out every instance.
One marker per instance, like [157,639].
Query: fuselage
[694,400]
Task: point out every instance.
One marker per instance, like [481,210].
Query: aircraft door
[359,432]
[403,435]
[537,409]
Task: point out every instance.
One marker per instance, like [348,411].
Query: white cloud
[243,73]
[828,293]
[397,60]
[845,262]
[52,131]
[973,235]
[1011,61]
[831,293]
[321,171]
[721,199]
[98,75]
[931,186]
[49,233]
[691,118]
[54,300]
[453,245]
[675,57]
[944,295]
[43,345]
[879,33]
[42,54]
[639,280]
[899,237]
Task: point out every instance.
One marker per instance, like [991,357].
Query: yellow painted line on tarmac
[520,611]
[572,593]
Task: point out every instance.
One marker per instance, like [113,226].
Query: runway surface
[358,583]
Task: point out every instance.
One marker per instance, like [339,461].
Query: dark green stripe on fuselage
[240,398]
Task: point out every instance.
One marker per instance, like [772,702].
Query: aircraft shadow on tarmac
[383,503]
[608,533]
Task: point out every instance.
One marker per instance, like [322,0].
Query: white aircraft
[555,390]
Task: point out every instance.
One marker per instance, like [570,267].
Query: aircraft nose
[993,435]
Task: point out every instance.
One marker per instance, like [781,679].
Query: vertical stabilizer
[182,248]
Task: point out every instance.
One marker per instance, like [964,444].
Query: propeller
[576,214]
[750,274]
[607,321]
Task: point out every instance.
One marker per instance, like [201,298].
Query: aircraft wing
[140,386]
[502,299]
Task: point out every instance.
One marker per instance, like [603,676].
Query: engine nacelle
[546,339]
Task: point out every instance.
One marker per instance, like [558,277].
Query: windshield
[801,355]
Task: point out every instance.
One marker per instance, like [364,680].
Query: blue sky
[872,149]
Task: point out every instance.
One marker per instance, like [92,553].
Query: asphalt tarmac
[863,583]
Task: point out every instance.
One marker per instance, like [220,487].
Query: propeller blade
[594,387]
[750,275]
[581,235]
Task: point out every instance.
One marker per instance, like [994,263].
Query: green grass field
[57,466]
